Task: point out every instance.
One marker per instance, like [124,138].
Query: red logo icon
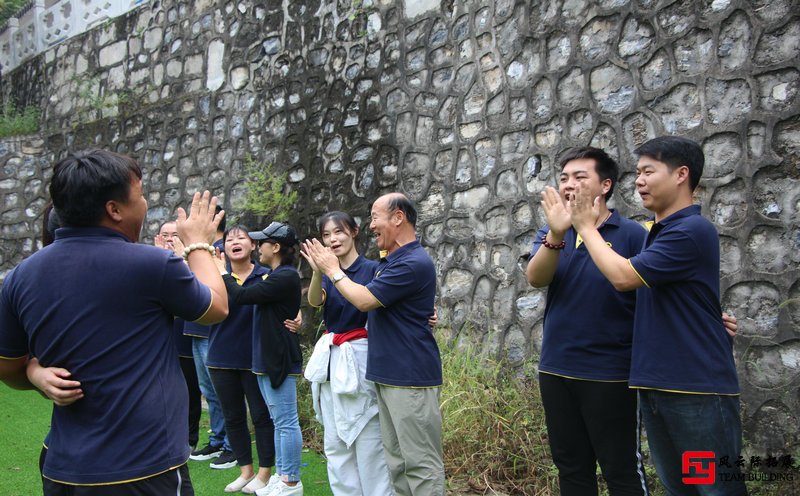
[698,467]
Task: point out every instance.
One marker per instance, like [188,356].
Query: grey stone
[598,37]
[767,249]
[396,101]
[778,46]
[571,88]
[729,205]
[507,185]
[612,88]
[464,168]
[113,54]
[474,101]
[755,306]
[559,51]
[503,264]
[756,139]
[723,154]
[735,41]
[772,11]
[636,39]
[777,90]
[730,256]
[542,99]
[580,125]
[530,307]
[677,18]
[773,426]
[457,283]
[727,101]
[433,206]
[605,138]
[497,223]
[770,367]
[424,131]
[694,53]
[471,200]
[680,109]
[637,128]
[414,174]
[493,79]
[404,128]
[486,156]
[786,141]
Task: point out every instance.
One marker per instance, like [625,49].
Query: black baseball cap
[277,232]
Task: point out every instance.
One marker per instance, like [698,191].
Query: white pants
[361,469]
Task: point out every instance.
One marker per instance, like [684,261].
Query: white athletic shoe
[273,482]
[283,489]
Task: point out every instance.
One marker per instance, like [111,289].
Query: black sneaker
[226,460]
[206,453]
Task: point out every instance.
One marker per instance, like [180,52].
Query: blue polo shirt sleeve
[397,281]
[671,258]
[13,339]
[537,241]
[182,294]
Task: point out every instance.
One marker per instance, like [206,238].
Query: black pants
[170,483]
[195,408]
[590,422]
[233,386]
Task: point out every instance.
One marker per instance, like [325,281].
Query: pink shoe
[238,484]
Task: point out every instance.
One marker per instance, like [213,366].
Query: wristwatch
[338,277]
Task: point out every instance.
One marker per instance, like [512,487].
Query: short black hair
[83,182]
[342,220]
[676,151]
[399,201]
[604,165]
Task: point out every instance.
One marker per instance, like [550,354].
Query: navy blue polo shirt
[402,349]
[198,330]
[276,350]
[679,342]
[106,315]
[588,325]
[182,341]
[230,342]
[340,315]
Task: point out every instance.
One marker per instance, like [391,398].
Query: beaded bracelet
[559,246]
[198,246]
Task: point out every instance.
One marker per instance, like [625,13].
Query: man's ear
[605,186]
[682,174]
[113,211]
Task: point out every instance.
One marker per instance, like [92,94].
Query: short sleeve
[13,340]
[672,257]
[182,293]
[394,283]
[537,241]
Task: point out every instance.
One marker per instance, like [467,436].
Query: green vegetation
[266,192]
[495,440]
[8,8]
[25,419]
[14,122]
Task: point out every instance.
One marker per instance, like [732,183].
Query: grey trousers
[411,427]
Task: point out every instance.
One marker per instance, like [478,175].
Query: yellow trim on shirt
[581,378]
[637,273]
[379,301]
[682,392]
[118,482]
[210,303]
[13,358]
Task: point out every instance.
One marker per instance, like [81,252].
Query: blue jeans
[282,404]
[217,436]
[679,422]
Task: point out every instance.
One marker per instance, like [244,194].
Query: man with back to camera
[586,350]
[682,358]
[107,319]
[403,358]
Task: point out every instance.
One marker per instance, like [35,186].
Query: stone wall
[466,106]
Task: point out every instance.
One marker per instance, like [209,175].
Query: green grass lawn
[25,419]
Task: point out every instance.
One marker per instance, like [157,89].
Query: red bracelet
[559,246]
